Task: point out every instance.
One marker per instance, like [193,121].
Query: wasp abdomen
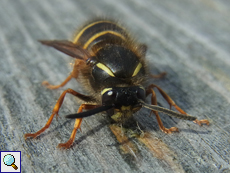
[99,33]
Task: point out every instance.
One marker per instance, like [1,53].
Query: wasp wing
[68,48]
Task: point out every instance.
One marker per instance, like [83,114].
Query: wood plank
[187,39]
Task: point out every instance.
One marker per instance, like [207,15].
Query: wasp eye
[140,93]
[110,93]
[109,97]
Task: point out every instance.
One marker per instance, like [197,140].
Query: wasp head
[125,100]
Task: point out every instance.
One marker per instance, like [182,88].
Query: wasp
[112,68]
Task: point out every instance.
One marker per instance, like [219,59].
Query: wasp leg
[48,85]
[56,109]
[77,125]
[172,103]
[157,76]
[154,102]
[74,74]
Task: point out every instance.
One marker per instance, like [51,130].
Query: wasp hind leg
[48,85]
[172,103]
[154,102]
[158,76]
[74,74]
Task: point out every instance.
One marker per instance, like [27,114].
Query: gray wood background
[189,39]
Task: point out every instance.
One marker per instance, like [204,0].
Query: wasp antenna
[168,112]
[68,48]
[89,113]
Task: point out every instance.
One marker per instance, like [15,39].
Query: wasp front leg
[56,110]
[154,102]
[77,126]
[172,103]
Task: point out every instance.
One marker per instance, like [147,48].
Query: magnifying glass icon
[9,160]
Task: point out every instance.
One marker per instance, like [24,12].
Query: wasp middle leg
[56,110]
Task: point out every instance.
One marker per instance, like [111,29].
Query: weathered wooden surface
[190,40]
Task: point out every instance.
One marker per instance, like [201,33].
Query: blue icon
[9,160]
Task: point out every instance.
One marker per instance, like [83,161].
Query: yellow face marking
[137,69]
[83,30]
[142,87]
[100,34]
[105,90]
[104,68]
